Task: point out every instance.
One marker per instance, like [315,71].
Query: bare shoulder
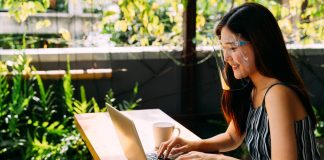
[280,94]
[282,101]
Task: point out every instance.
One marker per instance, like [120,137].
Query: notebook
[128,136]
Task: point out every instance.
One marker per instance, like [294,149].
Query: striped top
[258,135]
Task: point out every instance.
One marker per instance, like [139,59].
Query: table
[100,137]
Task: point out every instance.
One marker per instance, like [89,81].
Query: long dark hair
[256,24]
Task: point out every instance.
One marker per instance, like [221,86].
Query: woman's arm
[284,108]
[227,141]
[220,143]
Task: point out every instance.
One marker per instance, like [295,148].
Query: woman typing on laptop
[264,99]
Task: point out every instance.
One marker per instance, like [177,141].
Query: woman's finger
[162,148]
[180,149]
[170,147]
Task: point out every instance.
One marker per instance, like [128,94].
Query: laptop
[128,136]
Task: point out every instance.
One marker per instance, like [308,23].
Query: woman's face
[238,53]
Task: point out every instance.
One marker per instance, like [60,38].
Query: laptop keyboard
[153,156]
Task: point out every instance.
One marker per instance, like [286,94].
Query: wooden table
[100,137]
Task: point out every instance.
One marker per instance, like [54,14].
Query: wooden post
[188,58]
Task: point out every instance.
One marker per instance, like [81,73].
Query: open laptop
[128,136]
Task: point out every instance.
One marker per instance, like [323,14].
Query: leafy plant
[4,91]
[38,120]
[145,23]
[157,23]
[85,106]
[124,105]
[16,98]
[68,88]
[319,113]
[22,9]
[70,146]
[14,41]
[45,102]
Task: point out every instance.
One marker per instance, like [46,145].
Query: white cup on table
[163,131]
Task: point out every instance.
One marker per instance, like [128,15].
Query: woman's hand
[176,146]
[194,155]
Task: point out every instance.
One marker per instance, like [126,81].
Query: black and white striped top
[258,136]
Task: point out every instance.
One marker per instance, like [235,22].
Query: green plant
[18,93]
[14,41]
[73,105]
[68,88]
[124,105]
[55,137]
[4,91]
[38,119]
[144,23]
[85,106]
[319,113]
[2,4]
[45,101]
[22,9]
[157,23]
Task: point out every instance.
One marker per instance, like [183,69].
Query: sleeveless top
[258,139]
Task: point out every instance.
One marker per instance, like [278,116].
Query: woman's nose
[227,55]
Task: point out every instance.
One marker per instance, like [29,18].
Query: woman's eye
[233,49]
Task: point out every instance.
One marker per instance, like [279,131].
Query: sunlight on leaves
[65,34]
[121,26]
[43,24]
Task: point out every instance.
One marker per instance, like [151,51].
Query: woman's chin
[239,76]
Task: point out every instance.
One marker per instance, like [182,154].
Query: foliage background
[37,120]
[157,23]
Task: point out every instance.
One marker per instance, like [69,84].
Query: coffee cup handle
[178,129]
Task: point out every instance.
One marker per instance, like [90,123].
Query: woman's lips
[235,67]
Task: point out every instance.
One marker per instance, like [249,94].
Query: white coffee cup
[163,131]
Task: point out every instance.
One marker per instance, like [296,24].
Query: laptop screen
[127,134]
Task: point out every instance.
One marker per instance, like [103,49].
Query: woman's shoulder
[281,90]
[282,100]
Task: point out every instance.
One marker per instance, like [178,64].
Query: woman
[265,101]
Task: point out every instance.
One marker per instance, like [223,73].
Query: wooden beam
[188,58]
